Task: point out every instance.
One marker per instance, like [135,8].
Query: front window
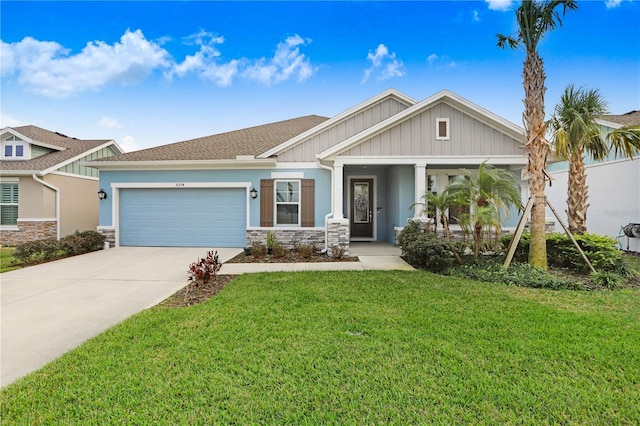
[457,213]
[8,203]
[287,203]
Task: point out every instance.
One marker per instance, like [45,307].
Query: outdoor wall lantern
[102,195]
[254,193]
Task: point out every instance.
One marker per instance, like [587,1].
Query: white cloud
[204,62]
[47,68]
[109,122]
[610,4]
[128,144]
[501,5]
[7,120]
[476,16]
[440,62]
[384,65]
[286,63]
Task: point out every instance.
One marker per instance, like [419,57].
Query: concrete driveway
[51,308]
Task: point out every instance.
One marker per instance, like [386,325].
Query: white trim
[287,175]
[450,98]
[71,175]
[9,179]
[298,165]
[609,124]
[9,228]
[105,228]
[79,156]
[117,186]
[446,137]
[451,160]
[38,219]
[335,119]
[276,203]
[374,210]
[180,164]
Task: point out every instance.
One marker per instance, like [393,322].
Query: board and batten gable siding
[307,150]
[76,169]
[417,136]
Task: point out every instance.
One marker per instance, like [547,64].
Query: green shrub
[520,275]
[562,253]
[49,248]
[409,233]
[428,251]
[608,279]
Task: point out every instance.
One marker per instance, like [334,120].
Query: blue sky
[154,72]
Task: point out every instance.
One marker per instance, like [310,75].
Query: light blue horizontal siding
[322,186]
[183,217]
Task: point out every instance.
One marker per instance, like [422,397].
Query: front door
[361,208]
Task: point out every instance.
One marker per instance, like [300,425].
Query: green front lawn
[353,348]
[6,259]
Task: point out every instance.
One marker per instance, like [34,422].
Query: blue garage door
[183,217]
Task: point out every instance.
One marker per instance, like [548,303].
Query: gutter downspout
[57,191]
[326,217]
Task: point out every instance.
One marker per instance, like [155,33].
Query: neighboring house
[311,180]
[614,188]
[45,190]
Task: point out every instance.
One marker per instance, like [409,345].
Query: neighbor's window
[8,203]
[442,129]
[8,150]
[19,151]
[287,206]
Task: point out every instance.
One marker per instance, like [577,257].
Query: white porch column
[338,189]
[420,187]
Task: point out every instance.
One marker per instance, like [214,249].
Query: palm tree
[437,205]
[535,18]
[576,133]
[489,193]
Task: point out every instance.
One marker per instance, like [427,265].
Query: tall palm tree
[489,193]
[535,19]
[576,133]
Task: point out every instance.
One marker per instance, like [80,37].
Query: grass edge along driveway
[356,347]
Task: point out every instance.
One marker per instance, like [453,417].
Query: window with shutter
[287,202]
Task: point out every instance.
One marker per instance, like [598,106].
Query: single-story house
[45,191]
[614,187]
[310,180]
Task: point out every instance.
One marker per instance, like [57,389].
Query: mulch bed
[195,293]
[289,257]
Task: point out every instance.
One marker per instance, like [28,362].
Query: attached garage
[183,217]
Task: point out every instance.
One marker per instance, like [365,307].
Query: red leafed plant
[203,270]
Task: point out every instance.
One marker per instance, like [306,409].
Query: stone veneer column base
[108,232]
[29,230]
[338,234]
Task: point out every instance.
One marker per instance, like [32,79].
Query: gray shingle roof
[226,146]
[70,148]
[631,118]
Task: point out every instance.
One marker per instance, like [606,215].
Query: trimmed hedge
[37,251]
[425,251]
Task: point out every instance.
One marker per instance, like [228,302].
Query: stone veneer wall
[338,235]
[110,234]
[30,230]
[287,238]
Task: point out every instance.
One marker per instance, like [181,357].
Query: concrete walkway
[49,309]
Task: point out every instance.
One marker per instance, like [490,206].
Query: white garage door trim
[116,186]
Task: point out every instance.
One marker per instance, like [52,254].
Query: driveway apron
[48,309]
